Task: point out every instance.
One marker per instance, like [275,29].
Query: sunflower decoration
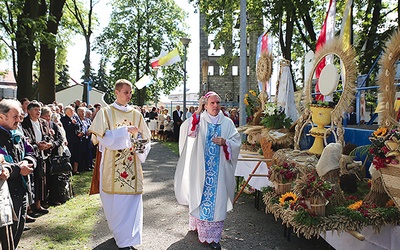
[390,203]
[380,132]
[288,198]
[252,104]
[356,205]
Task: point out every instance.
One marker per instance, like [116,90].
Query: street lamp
[185,41]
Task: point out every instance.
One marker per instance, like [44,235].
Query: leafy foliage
[252,103]
[137,32]
[303,217]
[63,78]
[275,117]
[351,214]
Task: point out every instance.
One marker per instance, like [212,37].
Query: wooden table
[251,158]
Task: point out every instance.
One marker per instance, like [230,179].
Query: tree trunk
[25,49]
[286,41]
[86,70]
[47,63]
[370,48]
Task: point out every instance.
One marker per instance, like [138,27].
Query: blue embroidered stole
[211,158]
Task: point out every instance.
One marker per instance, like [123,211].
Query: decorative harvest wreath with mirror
[387,115]
[347,57]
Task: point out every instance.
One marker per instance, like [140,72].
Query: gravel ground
[166,222]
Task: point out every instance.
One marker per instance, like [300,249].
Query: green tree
[51,13]
[373,26]
[101,82]
[26,25]
[19,23]
[137,32]
[85,19]
[63,78]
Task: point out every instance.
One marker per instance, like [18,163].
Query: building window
[235,70]
[221,71]
[210,70]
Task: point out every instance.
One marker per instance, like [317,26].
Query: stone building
[226,85]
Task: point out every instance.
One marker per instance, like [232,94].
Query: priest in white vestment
[121,176]
[204,178]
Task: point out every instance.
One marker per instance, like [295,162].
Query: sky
[77,52]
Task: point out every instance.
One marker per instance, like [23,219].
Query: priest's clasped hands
[219,141]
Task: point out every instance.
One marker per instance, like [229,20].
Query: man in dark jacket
[19,154]
[74,133]
[177,117]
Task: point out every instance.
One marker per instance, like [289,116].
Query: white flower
[270,109]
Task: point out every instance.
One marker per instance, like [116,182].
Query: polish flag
[166,59]
[327,33]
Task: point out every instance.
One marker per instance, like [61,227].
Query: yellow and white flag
[345,30]
[166,59]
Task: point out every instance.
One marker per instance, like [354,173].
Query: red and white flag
[327,33]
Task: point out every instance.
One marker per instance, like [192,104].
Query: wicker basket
[391,180]
[283,188]
[318,209]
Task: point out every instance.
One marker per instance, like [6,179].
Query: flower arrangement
[384,147]
[274,117]
[288,199]
[310,186]
[252,103]
[354,214]
[284,173]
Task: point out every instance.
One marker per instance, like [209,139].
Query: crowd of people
[33,134]
[165,127]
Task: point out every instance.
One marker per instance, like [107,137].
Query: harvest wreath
[353,216]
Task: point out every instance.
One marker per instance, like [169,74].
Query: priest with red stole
[204,179]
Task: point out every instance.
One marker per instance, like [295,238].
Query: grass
[173,146]
[68,226]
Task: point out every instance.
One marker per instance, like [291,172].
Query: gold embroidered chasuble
[122,170]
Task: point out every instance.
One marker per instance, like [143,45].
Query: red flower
[130,158]
[385,149]
[124,175]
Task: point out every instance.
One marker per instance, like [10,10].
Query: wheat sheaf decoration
[387,89]
[349,71]
[264,67]
[348,57]
[204,70]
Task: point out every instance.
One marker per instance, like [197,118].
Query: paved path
[166,222]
